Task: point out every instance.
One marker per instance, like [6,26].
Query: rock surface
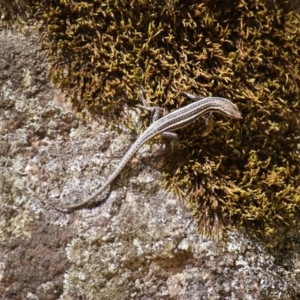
[140,243]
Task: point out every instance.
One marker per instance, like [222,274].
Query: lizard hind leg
[156,111]
[171,139]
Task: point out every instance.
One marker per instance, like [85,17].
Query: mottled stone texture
[140,243]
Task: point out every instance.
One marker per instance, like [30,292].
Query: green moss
[13,13]
[244,173]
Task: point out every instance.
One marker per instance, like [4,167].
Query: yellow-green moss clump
[244,173]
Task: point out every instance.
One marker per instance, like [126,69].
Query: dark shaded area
[35,265]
